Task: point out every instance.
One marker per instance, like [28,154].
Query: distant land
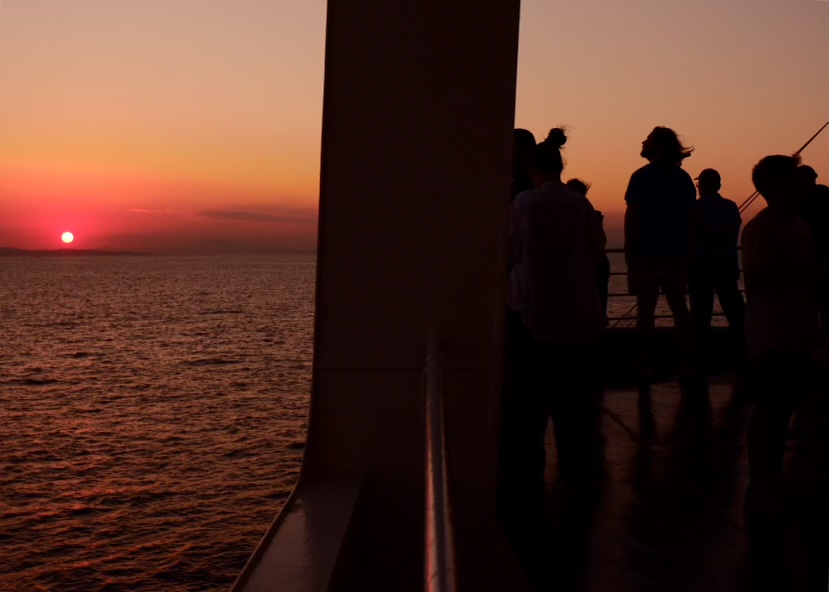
[10,252]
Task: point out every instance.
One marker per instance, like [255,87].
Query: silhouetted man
[782,329]
[714,267]
[815,211]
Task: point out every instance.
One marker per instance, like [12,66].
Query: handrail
[439,551]
[616,321]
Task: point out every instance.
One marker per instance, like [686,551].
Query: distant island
[10,252]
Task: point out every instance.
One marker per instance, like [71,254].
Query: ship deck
[670,515]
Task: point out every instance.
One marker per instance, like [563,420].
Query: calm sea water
[152,416]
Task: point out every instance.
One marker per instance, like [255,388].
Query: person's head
[522,140]
[778,179]
[708,182]
[546,162]
[808,175]
[523,144]
[663,145]
[578,185]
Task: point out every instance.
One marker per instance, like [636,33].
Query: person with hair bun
[659,198]
[556,242]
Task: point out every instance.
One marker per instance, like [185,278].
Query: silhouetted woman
[556,241]
[523,144]
[659,199]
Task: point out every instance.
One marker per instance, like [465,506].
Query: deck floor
[670,516]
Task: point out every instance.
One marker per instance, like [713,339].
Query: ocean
[152,416]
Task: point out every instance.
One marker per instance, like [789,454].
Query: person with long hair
[659,199]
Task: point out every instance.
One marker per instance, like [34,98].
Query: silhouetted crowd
[681,238]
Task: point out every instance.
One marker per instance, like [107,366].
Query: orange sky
[179,126]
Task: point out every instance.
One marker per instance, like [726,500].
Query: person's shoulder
[761,217]
[728,204]
[581,201]
[757,222]
[772,222]
[643,171]
[523,198]
[639,179]
[560,191]
[570,194]
[682,173]
[563,195]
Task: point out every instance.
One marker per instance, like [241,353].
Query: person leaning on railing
[715,269]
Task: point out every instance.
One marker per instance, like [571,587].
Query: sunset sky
[194,126]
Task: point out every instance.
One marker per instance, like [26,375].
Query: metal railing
[439,551]
[629,316]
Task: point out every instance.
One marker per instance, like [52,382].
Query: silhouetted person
[555,244]
[603,269]
[815,211]
[523,144]
[714,267]
[659,199]
[516,346]
[781,325]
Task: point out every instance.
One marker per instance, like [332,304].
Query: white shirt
[556,242]
[781,284]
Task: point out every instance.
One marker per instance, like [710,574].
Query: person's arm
[736,226]
[631,231]
[516,232]
[632,217]
[595,229]
[736,223]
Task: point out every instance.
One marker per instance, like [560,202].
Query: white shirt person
[556,242]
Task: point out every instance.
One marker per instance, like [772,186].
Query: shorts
[648,275]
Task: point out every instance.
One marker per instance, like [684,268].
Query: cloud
[143,211]
[251,217]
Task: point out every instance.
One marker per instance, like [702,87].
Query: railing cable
[750,199]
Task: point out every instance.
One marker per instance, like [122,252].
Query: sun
[67,237]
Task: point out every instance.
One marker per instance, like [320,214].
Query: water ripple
[150,427]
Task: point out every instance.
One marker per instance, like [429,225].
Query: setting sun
[67,237]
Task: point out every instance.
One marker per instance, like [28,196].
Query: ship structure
[398,485]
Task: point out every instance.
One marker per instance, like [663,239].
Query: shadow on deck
[670,514]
